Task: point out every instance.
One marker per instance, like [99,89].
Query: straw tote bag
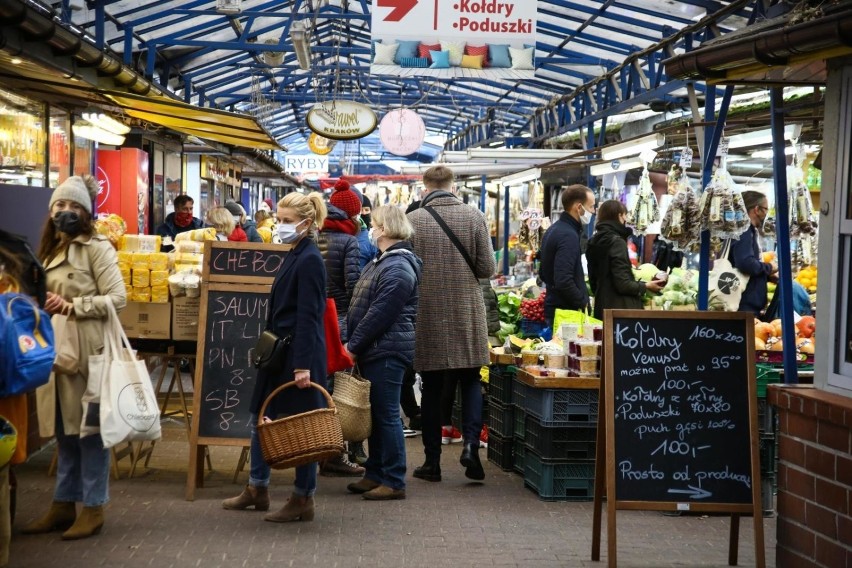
[352,398]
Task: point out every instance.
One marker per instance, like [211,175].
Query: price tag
[686,158]
[722,152]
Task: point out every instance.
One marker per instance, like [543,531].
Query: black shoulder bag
[453,238]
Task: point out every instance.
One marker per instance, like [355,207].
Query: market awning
[210,124]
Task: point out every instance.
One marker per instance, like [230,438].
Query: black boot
[429,471]
[470,460]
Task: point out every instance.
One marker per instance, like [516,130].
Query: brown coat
[451,331]
[86,274]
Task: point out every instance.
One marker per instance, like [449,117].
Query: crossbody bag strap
[453,238]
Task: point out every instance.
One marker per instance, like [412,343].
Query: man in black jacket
[178,222]
[561,266]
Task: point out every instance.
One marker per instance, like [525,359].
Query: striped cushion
[424,49]
[478,50]
[420,62]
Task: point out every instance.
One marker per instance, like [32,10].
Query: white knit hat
[76,189]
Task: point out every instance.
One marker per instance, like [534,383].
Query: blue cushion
[373,49]
[440,59]
[420,62]
[498,56]
[406,49]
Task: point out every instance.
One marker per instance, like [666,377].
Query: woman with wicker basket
[381,338]
[296,308]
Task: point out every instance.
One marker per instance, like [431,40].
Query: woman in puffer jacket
[381,340]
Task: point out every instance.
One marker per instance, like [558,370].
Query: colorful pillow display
[440,59]
[385,53]
[407,49]
[419,62]
[424,50]
[498,56]
[522,58]
[471,61]
[478,50]
[456,50]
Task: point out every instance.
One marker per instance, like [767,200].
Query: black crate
[519,450]
[500,378]
[766,418]
[519,393]
[501,419]
[519,430]
[768,447]
[768,488]
[559,481]
[560,442]
[500,451]
[562,407]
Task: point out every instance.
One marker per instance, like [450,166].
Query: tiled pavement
[447,524]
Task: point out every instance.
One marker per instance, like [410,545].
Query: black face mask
[68,222]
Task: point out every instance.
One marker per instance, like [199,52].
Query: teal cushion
[498,56]
[406,49]
[420,62]
[440,59]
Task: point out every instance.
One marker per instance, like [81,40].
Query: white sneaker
[408,432]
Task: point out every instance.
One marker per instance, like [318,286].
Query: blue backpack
[26,345]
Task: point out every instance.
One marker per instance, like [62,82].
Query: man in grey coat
[451,336]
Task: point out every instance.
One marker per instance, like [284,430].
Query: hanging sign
[319,144]
[402,131]
[342,120]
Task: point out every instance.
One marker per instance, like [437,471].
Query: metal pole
[483,195]
[506,230]
[782,227]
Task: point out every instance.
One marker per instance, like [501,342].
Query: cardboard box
[185,318]
[143,320]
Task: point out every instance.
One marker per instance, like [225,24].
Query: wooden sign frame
[605,460]
[225,283]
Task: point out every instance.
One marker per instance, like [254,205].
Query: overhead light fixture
[16,61]
[105,122]
[96,134]
[521,177]
[789,151]
[632,147]
[616,166]
[301,37]
[761,137]
[229,6]
[525,154]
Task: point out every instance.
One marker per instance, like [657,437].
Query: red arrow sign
[400,8]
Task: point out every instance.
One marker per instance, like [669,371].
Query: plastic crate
[500,451]
[766,375]
[768,488]
[559,481]
[562,407]
[519,450]
[535,329]
[765,417]
[500,380]
[519,393]
[519,430]
[768,448]
[502,419]
[560,442]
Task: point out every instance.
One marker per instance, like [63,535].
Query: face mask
[67,222]
[288,232]
[374,240]
[586,217]
[183,218]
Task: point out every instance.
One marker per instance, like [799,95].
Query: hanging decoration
[722,209]
[681,223]
[533,221]
[645,210]
[320,145]
[402,131]
[803,219]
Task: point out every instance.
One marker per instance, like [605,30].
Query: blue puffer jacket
[342,266]
[384,307]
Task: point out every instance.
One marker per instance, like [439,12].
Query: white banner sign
[305,163]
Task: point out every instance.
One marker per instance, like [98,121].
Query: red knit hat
[345,199]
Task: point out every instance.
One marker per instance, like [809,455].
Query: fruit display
[768,336]
[533,309]
[807,277]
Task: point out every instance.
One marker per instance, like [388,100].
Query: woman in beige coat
[82,272]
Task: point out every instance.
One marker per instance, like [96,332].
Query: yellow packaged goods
[159,278]
[145,243]
[206,234]
[141,294]
[125,272]
[125,257]
[189,246]
[158,261]
[189,258]
[160,294]
[141,278]
[140,260]
[189,268]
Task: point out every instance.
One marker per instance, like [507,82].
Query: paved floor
[449,524]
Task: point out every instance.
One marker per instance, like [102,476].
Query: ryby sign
[305,163]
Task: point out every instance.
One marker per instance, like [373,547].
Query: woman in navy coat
[297,305]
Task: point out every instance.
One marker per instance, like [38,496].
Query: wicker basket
[302,438]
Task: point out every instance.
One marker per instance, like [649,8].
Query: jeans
[430,408]
[386,462]
[82,471]
[305,484]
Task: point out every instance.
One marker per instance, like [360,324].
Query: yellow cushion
[472,61]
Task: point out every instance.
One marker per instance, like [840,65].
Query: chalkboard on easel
[248,263]
[680,432]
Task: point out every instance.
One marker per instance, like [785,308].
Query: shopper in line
[745,255]
[610,272]
[368,249]
[82,274]
[561,265]
[297,305]
[381,341]
[242,221]
[179,221]
[265,224]
[223,221]
[452,334]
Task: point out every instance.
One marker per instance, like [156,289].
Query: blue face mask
[374,240]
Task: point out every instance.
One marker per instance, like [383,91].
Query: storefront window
[60,146]
[174,179]
[23,137]
[158,186]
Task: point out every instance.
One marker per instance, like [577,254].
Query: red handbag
[335,353]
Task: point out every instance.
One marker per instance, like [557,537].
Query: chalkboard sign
[255,263]
[681,418]
[233,318]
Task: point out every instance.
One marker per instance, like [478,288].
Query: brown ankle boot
[89,523]
[298,508]
[60,516]
[257,497]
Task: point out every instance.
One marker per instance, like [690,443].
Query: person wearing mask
[561,266]
[745,255]
[297,304]
[452,335]
[381,339]
[180,221]
[610,271]
[242,221]
[265,224]
[368,250]
[82,276]
[223,221]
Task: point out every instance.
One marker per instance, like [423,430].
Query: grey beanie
[77,189]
